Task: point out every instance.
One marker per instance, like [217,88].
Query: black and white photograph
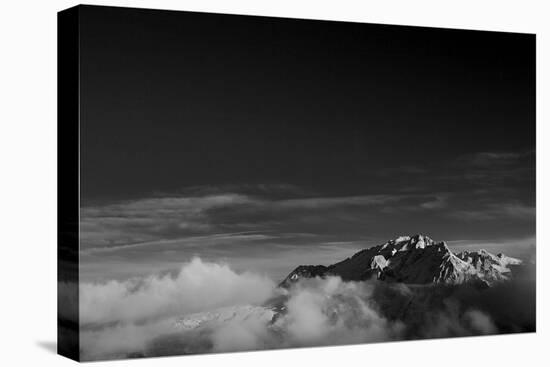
[246,183]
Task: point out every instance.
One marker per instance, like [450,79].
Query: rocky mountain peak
[415,259]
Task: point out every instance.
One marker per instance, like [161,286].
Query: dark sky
[342,130]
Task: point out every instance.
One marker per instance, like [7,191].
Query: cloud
[420,203]
[438,202]
[480,322]
[210,217]
[137,317]
[207,307]
[492,159]
[517,247]
[189,241]
[316,312]
[144,222]
[515,209]
[503,174]
[494,211]
[451,321]
[151,219]
[330,202]
[330,311]
[198,286]
[249,333]
[122,340]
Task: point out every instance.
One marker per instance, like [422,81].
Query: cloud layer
[197,287]
[207,307]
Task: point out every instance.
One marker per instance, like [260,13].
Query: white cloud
[330,311]
[232,312]
[123,318]
[198,286]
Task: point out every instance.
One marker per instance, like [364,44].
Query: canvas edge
[68,186]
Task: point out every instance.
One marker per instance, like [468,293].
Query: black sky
[176,99]
[441,123]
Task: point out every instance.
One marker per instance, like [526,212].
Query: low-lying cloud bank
[207,307]
[198,286]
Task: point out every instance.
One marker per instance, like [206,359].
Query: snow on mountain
[223,316]
[414,260]
[489,266]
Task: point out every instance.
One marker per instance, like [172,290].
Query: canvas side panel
[68,184]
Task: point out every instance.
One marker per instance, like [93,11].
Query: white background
[28,142]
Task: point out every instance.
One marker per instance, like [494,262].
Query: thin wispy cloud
[153,234]
[494,211]
[492,159]
[147,220]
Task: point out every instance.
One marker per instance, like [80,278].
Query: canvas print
[238,183]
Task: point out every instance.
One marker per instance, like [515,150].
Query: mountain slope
[414,260]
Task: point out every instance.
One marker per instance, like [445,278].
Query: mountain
[223,316]
[414,260]
[408,259]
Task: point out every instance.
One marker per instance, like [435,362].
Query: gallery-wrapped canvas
[232,183]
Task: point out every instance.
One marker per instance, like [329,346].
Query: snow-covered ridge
[415,260]
[224,315]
